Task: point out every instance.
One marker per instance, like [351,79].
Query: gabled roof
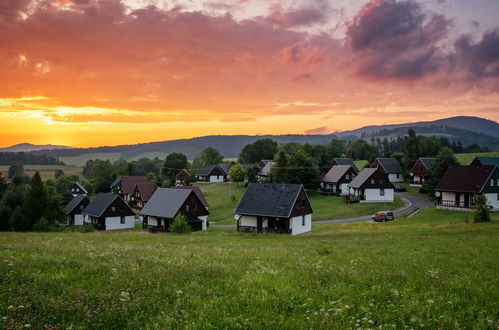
[146,190]
[245,165]
[346,161]
[461,178]
[206,170]
[166,202]
[269,199]
[182,173]
[336,173]
[224,168]
[128,183]
[81,187]
[115,182]
[75,202]
[196,191]
[391,165]
[266,169]
[99,204]
[428,162]
[362,177]
[488,161]
[265,161]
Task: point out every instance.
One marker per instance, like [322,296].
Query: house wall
[215,178]
[79,218]
[373,195]
[250,221]
[152,221]
[393,177]
[493,200]
[205,222]
[344,189]
[296,224]
[113,223]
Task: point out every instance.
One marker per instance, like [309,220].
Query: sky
[88,73]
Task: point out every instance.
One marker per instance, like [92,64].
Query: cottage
[264,174]
[109,212]
[390,167]
[337,179]
[74,210]
[372,186]
[182,177]
[77,189]
[166,203]
[141,194]
[198,193]
[420,171]
[274,208]
[125,186]
[211,173]
[460,184]
[481,161]
[263,162]
[345,161]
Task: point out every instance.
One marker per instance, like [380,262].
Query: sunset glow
[108,72]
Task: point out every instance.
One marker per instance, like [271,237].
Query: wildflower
[4,318]
[430,301]
[113,269]
[10,307]
[179,292]
[27,325]
[124,296]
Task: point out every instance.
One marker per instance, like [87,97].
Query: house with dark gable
[211,173]
[125,186]
[274,208]
[345,161]
[166,203]
[198,193]
[264,174]
[109,212]
[337,179]
[482,161]
[182,177]
[74,210]
[420,171]
[77,189]
[261,164]
[372,186]
[391,167]
[460,184]
[141,194]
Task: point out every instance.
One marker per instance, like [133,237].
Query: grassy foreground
[222,204]
[433,270]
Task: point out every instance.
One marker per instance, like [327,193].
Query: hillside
[27,147]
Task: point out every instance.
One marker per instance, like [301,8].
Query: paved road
[412,203]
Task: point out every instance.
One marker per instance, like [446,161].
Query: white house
[109,212]
[274,208]
[212,173]
[372,186]
[74,210]
[337,179]
[77,189]
[391,167]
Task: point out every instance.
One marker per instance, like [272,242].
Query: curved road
[412,203]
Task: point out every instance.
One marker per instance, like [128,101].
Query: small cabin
[211,173]
[421,170]
[182,177]
[345,161]
[264,174]
[274,208]
[263,162]
[372,186]
[125,186]
[141,194]
[108,211]
[484,161]
[198,193]
[166,203]
[74,210]
[391,167]
[337,179]
[77,189]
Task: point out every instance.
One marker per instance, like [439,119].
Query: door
[259,223]
[457,199]
[466,200]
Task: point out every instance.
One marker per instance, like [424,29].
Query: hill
[27,147]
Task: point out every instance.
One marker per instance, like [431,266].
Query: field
[434,270]
[222,205]
[466,159]
[80,160]
[360,164]
[47,171]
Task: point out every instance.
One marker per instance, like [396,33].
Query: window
[113,208]
[372,181]
[303,220]
[398,175]
[187,208]
[347,176]
[382,192]
[195,207]
[491,182]
[303,203]
[81,207]
[122,220]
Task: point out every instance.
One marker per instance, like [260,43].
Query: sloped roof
[346,161]
[74,202]
[428,162]
[206,170]
[196,191]
[146,190]
[81,187]
[266,169]
[269,199]
[116,182]
[182,173]
[128,183]
[336,173]
[391,165]
[224,168]
[99,204]
[488,161]
[461,178]
[362,177]
[166,202]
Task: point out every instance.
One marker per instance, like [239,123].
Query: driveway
[412,203]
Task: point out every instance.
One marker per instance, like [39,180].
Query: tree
[174,163]
[16,169]
[443,161]
[253,171]
[258,150]
[12,198]
[208,156]
[337,148]
[102,175]
[180,225]
[58,173]
[411,150]
[35,202]
[362,150]
[482,209]
[303,169]
[278,173]
[237,173]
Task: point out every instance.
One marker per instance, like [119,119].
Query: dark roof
[206,170]
[245,165]
[345,161]
[488,161]
[224,168]
[269,199]
[146,190]
[196,191]
[363,176]
[265,161]
[128,183]
[391,165]
[81,187]
[336,173]
[266,169]
[461,178]
[427,162]
[99,204]
[182,173]
[116,182]
[74,202]
[166,202]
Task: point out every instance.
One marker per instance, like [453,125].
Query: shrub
[88,228]
[482,209]
[42,225]
[180,225]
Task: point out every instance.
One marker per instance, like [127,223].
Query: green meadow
[466,159]
[224,197]
[437,269]
[47,171]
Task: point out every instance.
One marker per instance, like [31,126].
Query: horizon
[89,73]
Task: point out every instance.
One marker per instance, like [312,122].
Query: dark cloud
[12,9]
[314,12]
[481,59]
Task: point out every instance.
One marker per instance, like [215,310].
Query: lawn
[434,270]
[47,171]
[466,159]
[222,205]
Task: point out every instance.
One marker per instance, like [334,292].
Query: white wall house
[109,212]
[372,186]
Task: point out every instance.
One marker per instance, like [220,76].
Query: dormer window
[372,181]
[491,182]
[113,208]
[347,176]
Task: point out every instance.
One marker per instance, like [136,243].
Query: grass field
[222,205]
[430,271]
[80,160]
[47,171]
[466,159]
